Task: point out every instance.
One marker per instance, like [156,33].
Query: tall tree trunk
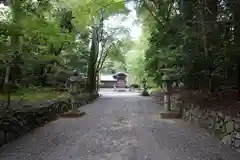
[234,7]
[97,34]
[7,85]
[15,44]
[207,19]
[210,16]
[91,73]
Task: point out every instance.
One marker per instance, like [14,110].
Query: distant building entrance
[121,80]
[107,81]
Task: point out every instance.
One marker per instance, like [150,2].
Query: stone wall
[17,122]
[227,129]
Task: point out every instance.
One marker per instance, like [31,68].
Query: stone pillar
[167,93]
[74,92]
[167,102]
[74,88]
[167,79]
[145,92]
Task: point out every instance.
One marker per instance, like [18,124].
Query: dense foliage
[42,41]
[198,37]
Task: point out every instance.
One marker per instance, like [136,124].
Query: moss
[15,123]
[36,94]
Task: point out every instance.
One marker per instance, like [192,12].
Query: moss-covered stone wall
[226,128]
[15,123]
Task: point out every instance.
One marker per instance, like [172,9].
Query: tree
[47,37]
[196,37]
[135,58]
[97,38]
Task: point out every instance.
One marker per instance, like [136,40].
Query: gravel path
[118,128]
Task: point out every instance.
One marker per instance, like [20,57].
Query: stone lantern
[74,88]
[145,92]
[168,78]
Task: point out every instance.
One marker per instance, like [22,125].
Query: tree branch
[96,39]
[104,43]
[152,14]
[102,51]
[100,63]
[169,10]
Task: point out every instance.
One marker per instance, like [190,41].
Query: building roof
[121,73]
[107,78]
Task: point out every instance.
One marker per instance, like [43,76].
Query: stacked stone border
[226,128]
[16,123]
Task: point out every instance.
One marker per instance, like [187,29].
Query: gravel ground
[124,127]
